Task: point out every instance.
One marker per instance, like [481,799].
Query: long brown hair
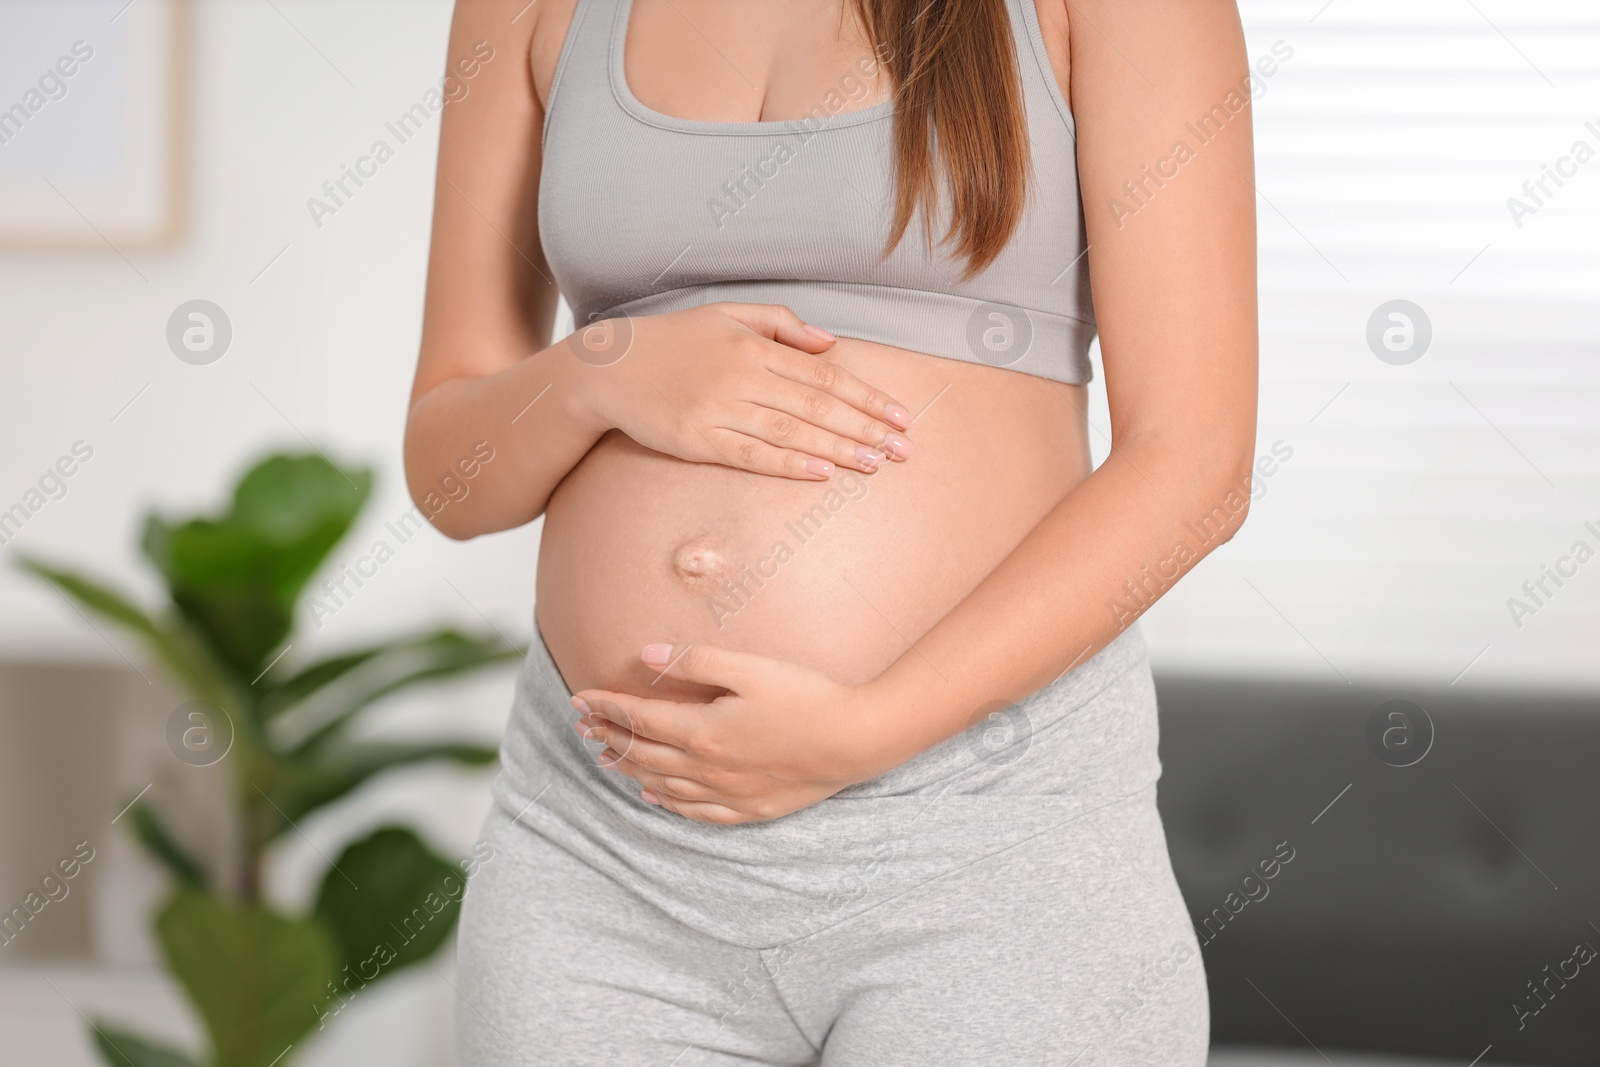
[959,118]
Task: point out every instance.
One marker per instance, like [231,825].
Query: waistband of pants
[1084,741]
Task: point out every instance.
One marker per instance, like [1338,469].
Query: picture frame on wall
[92,124]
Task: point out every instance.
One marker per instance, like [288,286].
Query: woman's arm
[490,301]
[1173,271]
[1173,275]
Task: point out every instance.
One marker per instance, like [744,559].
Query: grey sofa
[1443,895]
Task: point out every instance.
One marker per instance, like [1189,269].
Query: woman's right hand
[743,385]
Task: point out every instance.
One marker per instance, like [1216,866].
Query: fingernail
[657,655]
[868,457]
[581,705]
[897,446]
[819,467]
[818,331]
[608,759]
[650,798]
[584,730]
[897,416]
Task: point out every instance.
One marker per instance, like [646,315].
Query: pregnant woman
[837,740]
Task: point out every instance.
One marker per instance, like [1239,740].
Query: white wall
[324,341]
[1413,507]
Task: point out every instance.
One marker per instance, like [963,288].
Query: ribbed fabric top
[642,213]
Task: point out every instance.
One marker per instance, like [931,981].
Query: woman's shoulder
[552,20]
[1055,32]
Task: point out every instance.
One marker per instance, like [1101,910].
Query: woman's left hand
[782,738]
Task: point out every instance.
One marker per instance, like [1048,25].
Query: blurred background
[1418,569]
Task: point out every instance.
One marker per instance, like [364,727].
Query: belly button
[699,562]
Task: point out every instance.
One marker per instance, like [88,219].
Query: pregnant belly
[842,575]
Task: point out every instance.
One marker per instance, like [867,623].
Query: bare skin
[979,561]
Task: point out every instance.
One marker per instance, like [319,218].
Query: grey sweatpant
[1074,950]
[1004,899]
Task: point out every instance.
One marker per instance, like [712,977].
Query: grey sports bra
[642,213]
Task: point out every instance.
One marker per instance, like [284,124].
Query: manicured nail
[650,798]
[580,705]
[897,416]
[897,446]
[608,759]
[657,655]
[821,468]
[819,332]
[868,457]
[584,730]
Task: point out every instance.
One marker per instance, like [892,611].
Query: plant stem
[250,861]
[250,874]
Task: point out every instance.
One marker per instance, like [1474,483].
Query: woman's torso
[838,575]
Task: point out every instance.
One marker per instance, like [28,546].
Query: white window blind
[1420,497]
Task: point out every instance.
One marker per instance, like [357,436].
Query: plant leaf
[122,1049]
[310,680]
[100,599]
[259,979]
[299,786]
[405,663]
[237,576]
[173,648]
[404,910]
[158,840]
[286,497]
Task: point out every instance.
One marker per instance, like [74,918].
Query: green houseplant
[259,977]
